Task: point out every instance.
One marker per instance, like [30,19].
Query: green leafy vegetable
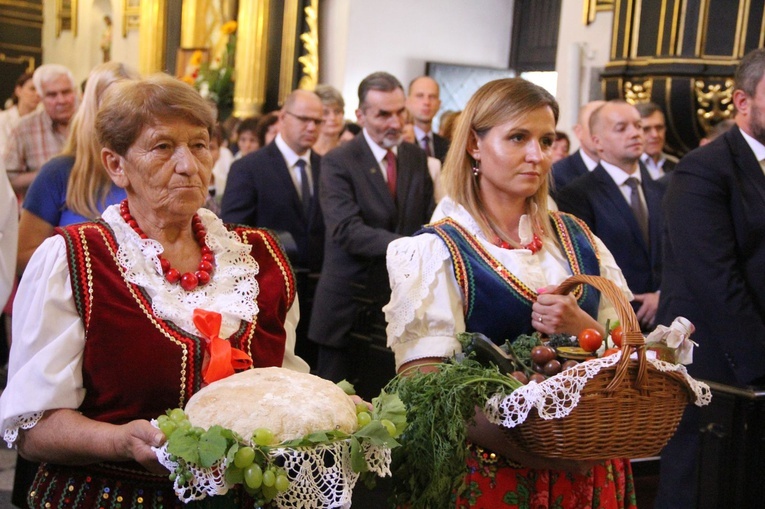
[430,465]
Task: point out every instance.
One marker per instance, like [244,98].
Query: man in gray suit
[373,190]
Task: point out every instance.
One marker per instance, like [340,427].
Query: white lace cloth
[320,477]
[557,396]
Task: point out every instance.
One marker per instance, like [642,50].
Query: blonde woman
[72,187]
[495,215]
[333,109]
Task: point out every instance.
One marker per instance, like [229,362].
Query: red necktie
[390,171]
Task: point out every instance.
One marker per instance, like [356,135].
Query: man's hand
[649,304]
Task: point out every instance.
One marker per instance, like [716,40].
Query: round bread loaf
[289,403]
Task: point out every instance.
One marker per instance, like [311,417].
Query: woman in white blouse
[107,323]
[486,267]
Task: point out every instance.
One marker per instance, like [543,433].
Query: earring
[476,169]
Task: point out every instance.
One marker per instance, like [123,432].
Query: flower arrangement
[215,80]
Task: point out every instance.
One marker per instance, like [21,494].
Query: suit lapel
[284,179]
[749,166]
[371,171]
[613,195]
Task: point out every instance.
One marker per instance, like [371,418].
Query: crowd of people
[141,214]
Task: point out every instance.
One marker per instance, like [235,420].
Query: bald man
[621,203]
[583,160]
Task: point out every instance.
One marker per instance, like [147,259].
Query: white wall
[400,36]
[83,52]
[580,50]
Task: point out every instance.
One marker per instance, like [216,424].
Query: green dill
[429,467]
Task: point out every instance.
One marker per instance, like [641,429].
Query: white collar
[419,134]
[757,147]
[377,150]
[589,162]
[619,175]
[290,157]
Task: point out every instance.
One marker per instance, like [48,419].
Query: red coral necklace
[190,280]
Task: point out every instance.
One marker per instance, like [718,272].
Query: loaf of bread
[289,403]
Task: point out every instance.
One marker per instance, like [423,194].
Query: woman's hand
[560,314]
[491,436]
[135,439]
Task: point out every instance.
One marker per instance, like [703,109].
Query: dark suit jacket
[362,219]
[566,170]
[596,199]
[440,147]
[260,192]
[714,260]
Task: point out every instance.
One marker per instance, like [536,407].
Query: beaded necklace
[190,280]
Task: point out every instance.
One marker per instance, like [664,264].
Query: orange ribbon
[223,360]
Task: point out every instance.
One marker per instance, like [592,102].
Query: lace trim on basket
[25,421]
[557,396]
[417,273]
[232,290]
[321,477]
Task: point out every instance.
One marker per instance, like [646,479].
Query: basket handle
[632,339]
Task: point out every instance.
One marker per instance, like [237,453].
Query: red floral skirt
[492,483]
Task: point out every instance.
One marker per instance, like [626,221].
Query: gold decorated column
[194,23]
[151,37]
[251,54]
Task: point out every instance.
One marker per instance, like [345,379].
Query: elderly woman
[496,182]
[333,109]
[106,310]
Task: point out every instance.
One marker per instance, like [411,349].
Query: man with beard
[374,189]
[41,135]
[621,203]
[714,260]
[423,103]
[276,188]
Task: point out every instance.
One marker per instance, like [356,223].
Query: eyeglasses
[316,121]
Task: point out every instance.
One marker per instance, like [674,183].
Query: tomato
[616,335]
[610,351]
[590,340]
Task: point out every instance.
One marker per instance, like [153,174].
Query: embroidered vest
[136,365]
[490,291]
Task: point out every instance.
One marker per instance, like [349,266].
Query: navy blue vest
[495,302]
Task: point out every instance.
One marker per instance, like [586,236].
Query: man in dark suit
[622,204]
[423,103]
[374,189]
[276,188]
[714,262]
[583,160]
[655,160]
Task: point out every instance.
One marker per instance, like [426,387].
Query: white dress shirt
[291,158]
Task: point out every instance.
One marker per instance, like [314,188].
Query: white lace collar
[449,208]
[232,290]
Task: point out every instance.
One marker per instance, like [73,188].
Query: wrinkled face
[515,157]
[167,169]
[423,102]
[28,97]
[654,132]
[333,120]
[382,115]
[300,122]
[247,142]
[59,99]
[619,136]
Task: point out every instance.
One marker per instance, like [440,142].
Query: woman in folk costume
[119,319]
[487,266]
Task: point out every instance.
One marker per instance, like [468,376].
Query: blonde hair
[89,185]
[493,104]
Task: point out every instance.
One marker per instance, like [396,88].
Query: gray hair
[49,72]
[381,81]
[330,96]
[647,109]
[750,72]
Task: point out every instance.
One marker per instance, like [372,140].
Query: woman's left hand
[560,314]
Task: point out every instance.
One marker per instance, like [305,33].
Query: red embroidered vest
[136,365]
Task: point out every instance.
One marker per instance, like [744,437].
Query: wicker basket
[629,410]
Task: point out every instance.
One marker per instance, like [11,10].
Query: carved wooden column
[681,55]
[251,53]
